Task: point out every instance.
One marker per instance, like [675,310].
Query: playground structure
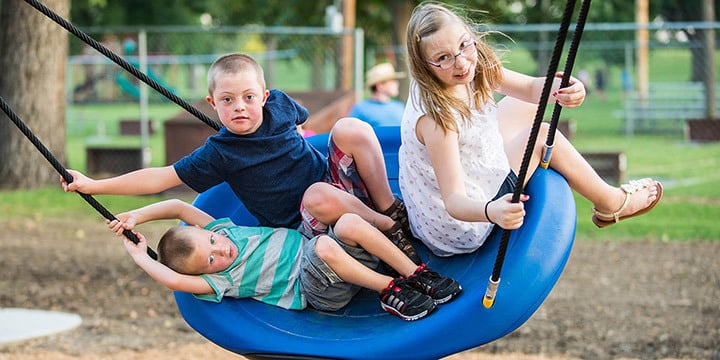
[552,261]
[178,58]
[131,88]
[537,254]
[295,60]
[98,82]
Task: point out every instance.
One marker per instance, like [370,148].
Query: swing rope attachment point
[493,283]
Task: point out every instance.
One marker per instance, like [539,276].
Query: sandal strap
[631,187]
[394,206]
[634,186]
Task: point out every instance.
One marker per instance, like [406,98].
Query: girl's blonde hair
[175,248]
[439,103]
[233,64]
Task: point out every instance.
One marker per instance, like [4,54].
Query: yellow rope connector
[547,154]
[489,298]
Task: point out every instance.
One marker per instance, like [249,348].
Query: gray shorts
[322,287]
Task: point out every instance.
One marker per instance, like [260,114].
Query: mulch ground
[635,300]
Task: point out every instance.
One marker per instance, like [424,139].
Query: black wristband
[486,213]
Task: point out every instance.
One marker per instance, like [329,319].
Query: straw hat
[382,72]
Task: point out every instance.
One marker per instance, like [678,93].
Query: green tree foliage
[377,17]
[383,21]
[136,12]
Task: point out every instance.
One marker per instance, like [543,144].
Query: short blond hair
[175,248]
[233,64]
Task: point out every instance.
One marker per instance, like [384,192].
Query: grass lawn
[688,171]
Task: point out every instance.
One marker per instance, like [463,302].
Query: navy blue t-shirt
[268,170]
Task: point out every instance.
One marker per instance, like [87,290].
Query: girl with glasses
[461,148]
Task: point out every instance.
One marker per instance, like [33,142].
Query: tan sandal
[630,188]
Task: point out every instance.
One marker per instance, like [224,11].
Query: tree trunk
[709,80]
[33,57]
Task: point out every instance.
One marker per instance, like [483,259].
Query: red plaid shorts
[344,176]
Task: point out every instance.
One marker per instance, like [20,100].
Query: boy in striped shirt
[214,258]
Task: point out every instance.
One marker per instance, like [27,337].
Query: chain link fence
[664,73]
[312,59]
[294,59]
[659,85]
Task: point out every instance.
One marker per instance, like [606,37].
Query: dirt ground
[619,300]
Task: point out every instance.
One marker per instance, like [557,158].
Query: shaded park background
[182,39]
[648,289]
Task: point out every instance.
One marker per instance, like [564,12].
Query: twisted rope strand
[63,172]
[124,64]
[569,64]
[529,149]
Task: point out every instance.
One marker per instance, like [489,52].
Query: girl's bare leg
[565,159]
[585,180]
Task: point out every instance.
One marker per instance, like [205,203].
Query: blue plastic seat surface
[536,255]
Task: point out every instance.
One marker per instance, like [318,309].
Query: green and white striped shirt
[267,267]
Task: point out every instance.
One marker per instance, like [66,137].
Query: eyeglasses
[447,61]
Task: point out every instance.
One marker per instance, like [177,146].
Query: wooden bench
[132,127]
[567,127]
[610,165]
[665,110]
[112,160]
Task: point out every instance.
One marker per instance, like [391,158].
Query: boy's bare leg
[347,268]
[327,204]
[357,139]
[353,231]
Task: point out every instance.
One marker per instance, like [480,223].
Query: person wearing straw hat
[381,109]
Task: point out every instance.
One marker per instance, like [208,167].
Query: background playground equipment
[131,88]
[99,82]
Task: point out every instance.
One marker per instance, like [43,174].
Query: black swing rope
[494,281]
[124,64]
[63,172]
[570,62]
[128,67]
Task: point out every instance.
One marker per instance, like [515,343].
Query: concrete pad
[21,324]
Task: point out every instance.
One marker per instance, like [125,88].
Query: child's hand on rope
[505,213]
[571,96]
[139,249]
[79,181]
[124,221]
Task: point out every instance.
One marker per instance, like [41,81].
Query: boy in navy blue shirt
[271,168]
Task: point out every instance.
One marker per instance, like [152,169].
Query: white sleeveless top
[484,162]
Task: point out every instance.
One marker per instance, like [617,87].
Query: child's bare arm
[161,273]
[163,210]
[138,182]
[528,88]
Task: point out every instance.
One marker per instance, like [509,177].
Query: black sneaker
[440,288]
[404,300]
[397,236]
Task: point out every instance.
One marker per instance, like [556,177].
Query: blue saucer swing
[535,258]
